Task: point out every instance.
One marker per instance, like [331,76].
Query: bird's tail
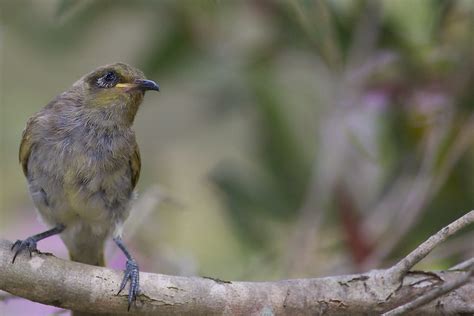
[94,257]
[84,246]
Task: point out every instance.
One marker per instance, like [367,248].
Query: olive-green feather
[135,165]
[26,145]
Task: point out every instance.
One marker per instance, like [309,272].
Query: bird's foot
[27,244]
[132,273]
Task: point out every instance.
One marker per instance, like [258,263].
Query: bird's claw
[132,274]
[20,245]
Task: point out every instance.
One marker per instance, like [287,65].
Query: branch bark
[49,280]
[430,296]
[53,281]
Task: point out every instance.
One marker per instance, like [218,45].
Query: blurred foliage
[281,103]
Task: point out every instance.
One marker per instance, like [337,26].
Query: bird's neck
[119,110]
[111,117]
[99,120]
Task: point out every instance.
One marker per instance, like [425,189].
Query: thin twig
[399,270]
[430,296]
[465,265]
[455,247]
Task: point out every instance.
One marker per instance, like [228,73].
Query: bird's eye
[110,77]
[108,80]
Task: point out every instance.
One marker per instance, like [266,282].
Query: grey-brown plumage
[82,163]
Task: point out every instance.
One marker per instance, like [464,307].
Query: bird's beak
[147,84]
[141,84]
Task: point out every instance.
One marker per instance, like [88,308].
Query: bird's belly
[80,189]
[99,193]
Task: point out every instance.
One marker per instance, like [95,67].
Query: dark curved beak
[147,85]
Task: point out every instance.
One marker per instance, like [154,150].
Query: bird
[82,163]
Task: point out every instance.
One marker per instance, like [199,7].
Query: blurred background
[289,139]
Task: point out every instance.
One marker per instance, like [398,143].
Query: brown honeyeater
[82,163]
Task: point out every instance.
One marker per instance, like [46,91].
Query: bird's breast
[86,171]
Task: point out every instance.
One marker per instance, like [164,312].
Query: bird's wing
[26,144]
[135,165]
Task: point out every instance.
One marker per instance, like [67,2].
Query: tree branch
[49,280]
[53,281]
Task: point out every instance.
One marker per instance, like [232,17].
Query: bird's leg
[131,273]
[30,242]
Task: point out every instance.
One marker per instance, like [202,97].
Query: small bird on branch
[82,163]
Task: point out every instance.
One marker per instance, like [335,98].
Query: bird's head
[115,90]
